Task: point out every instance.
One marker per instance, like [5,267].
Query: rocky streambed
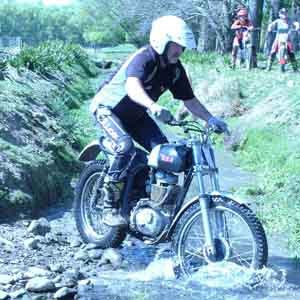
[45,259]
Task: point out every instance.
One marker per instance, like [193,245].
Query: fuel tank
[171,157]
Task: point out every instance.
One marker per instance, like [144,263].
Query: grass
[39,134]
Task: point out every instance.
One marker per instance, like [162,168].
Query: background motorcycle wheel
[282,59]
[88,205]
[244,241]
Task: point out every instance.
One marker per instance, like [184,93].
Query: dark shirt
[155,80]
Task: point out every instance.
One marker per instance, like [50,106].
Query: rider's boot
[234,57]
[293,62]
[111,207]
[270,61]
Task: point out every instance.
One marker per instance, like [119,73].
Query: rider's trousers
[122,134]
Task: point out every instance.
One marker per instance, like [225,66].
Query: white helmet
[170,29]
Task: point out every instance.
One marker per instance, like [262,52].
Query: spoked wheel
[238,237]
[88,206]
[282,59]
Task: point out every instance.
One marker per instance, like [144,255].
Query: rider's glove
[161,113]
[218,125]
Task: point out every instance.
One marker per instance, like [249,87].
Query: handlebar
[195,126]
[283,31]
[247,29]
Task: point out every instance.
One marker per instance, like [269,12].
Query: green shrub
[49,57]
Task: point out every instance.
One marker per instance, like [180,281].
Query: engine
[152,215]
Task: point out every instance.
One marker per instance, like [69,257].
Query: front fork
[204,201]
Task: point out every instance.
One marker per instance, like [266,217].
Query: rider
[121,106]
[283,23]
[241,22]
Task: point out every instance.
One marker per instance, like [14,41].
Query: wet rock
[57,268]
[129,243]
[125,264]
[57,279]
[67,281]
[17,293]
[42,240]
[6,287]
[58,237]
[84,282]
[84,286]
[75,242]
[65,293]
[75,274]
[91,246]
[19,276]
[51,238]
[95,254]
[6,279]
[40,284]
[36,272]
[4,242]
[32,243]
[105,266]
[70,278]
[39,227]
[39,297]
[81,255]
[111,256]
[3,295]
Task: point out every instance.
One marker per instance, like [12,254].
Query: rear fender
[90,151]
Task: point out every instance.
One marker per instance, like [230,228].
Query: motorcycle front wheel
[238,237]
[88,206]
[282,58]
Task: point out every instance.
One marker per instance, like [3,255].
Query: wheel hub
[222,250]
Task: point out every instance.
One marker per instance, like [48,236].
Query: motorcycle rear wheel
[244,241]
[88,205]
[282,68]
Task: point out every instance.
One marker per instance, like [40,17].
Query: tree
[256,12]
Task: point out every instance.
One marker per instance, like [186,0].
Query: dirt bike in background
[211,227]
[245,50]
[283,39]
[282,54]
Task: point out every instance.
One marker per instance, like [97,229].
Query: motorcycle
[283,35]
[213,226]
[245,49]
[282,55]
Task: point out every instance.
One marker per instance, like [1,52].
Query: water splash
[158,269]
[224,275]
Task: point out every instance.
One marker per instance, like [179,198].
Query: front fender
[90,151]
[228,196]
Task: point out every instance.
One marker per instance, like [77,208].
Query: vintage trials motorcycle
[211,227]
[283,38]
[245,49]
